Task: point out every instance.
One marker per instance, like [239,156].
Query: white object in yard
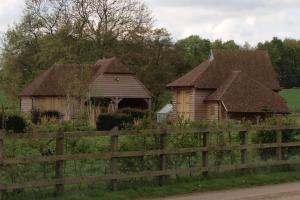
[162,114]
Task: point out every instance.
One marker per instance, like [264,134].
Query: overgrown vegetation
[217,159]
[65,31]
[189,185]
[122,118]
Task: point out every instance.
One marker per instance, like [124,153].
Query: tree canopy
[82,31]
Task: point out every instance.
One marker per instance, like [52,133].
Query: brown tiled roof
[241,93]
[53,81]
[212,73]
[190,78]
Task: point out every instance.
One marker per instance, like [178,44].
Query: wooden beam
[243,136]
[14,136]
[149,103]
[113,163]
[279,143]
[162,157]
[205,144]
[59,165]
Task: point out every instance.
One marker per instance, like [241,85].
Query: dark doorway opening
[133,103]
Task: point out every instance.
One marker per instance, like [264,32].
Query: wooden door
[183,103]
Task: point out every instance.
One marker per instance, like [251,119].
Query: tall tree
[191,51]
[285,57]
[81,31]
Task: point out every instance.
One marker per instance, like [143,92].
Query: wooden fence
[59,181]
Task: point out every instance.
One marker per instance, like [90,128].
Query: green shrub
[264,137]
[35,116]
[15,123]
[51,114]
[110,120]
[134,112]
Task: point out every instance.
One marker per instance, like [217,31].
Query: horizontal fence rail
[162,152]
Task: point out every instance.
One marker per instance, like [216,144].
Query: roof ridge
[220,91]
[202,71]
[234,74]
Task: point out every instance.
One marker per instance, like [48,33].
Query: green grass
[175,187]
[200,184]
[292,96]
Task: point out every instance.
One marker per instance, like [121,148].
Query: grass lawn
[292,96]
[200,184]
[186,185]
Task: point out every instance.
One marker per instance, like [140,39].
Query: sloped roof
[166,109]
[212,73]
[190,78]
[241,93]
[53,82]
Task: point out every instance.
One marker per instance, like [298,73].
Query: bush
[270,137]
[49,114]
[15,123]
[110,120]
[35,116]
[134,112]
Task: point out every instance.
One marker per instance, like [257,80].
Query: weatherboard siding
[212,111]
[200,106]
[26,104]
[109,85]
[189,103]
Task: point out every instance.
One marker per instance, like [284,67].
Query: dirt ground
[287,191]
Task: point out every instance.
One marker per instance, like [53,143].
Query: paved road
[288,191]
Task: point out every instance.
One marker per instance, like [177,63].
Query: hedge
[49,114]
[110,120]
[15,123]
[134,112]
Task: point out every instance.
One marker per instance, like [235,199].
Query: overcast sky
[241,20]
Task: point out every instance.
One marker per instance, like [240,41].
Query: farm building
[231,84]
[70,88]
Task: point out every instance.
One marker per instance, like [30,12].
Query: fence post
[1,161]
[162,157]
[59,165]
[205,154]
[113,163]
[279,143]
[243,136]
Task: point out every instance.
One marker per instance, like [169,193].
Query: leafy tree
[82,31]
[191,51]
[285,57]
[219,44]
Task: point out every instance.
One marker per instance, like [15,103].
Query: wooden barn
[231,84]
[71,88]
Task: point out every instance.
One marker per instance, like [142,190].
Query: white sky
[241,20]
[10,12]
